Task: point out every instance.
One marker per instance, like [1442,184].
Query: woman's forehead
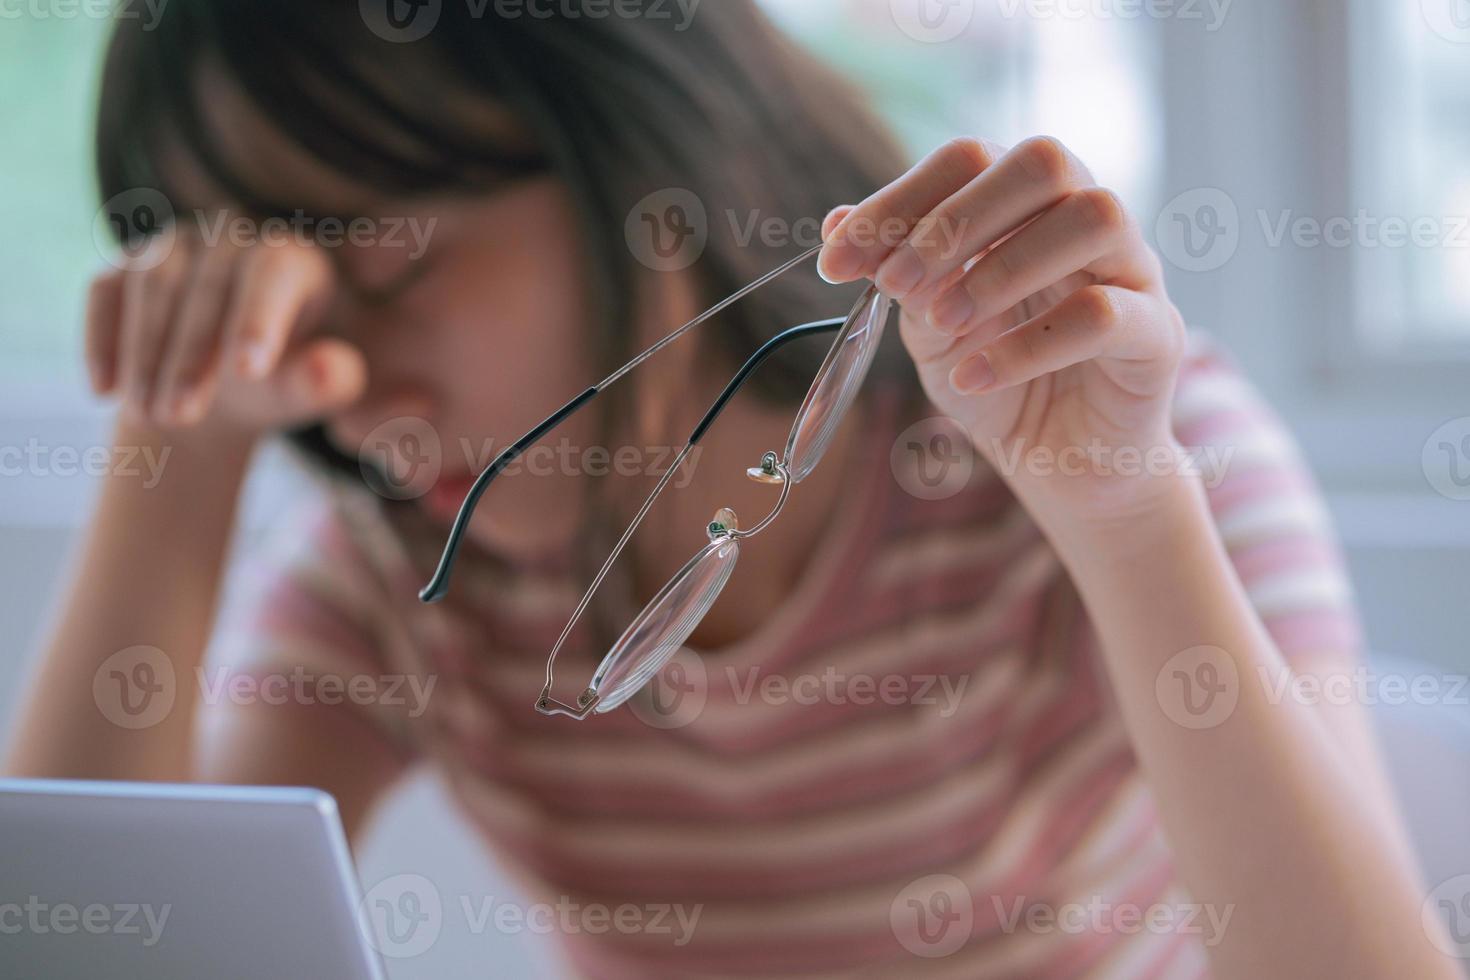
[262,155]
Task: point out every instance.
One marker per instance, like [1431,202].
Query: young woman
[1113,631]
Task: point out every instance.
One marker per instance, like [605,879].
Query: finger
[323,377]
[834,219]
[1034,176]
[1091,322]
[149,300]
[279,288]
[195,339]
[1088,226]
[866,236]
[104,323]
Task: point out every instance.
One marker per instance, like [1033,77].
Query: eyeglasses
[659,631]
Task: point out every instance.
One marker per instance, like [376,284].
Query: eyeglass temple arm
[439,585]
[756,360]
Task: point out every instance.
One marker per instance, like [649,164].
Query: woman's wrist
[1155,515]
[220,446]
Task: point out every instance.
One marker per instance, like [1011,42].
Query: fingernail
[255,362]
[840,263]
[900,273]
[187,407]
[972,375]
[951,311]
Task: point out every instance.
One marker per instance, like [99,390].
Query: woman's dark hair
[620,99]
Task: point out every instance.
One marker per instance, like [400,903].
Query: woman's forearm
[147,575]
[1268,821]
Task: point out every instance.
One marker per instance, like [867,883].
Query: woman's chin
[520,542]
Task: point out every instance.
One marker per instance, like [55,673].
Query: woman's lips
[445,497]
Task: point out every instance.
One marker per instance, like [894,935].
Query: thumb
[323,377]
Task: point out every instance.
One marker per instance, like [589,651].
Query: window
[1003,70]
[1412,103]
[48,71]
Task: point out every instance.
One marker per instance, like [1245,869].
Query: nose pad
[723,523]
[767,472]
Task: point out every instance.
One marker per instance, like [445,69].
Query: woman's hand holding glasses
[1036,315]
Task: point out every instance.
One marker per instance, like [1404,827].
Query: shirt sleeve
[1267,506]
[304,629]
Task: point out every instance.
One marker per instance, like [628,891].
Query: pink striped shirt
[913,769]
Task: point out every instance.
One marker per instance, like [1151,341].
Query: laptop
[138,880]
